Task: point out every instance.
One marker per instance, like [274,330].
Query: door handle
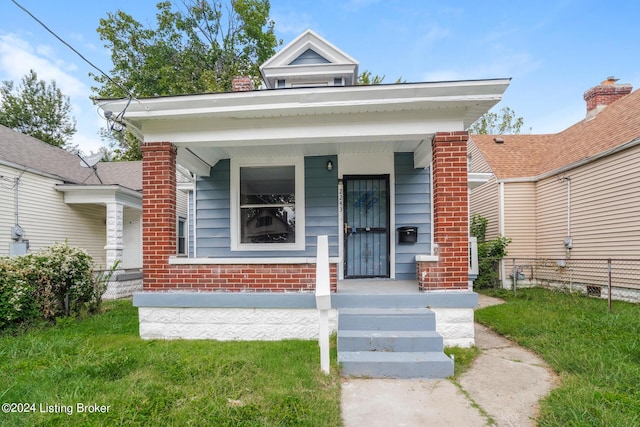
[346,228]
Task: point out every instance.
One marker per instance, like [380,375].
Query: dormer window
[309,61]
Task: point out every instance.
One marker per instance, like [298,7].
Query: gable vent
[310,56]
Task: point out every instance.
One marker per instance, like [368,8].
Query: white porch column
[115,233]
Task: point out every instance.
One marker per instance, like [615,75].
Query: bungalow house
[50,195]
[381,170]
[570,195]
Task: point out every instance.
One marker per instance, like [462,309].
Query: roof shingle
[523,156]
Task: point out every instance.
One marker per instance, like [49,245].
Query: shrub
[17,302]
[489,254]
[53,282]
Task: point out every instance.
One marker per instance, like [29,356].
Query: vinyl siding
[321,209]
[412,208]
[520,218]
[478,162]
[45,217]
[605,209]
[484,201]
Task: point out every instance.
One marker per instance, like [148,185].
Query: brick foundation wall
[451,215]
[241,277]
[159,242]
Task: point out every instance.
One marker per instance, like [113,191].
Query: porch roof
[307,121]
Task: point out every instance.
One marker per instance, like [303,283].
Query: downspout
[568,241]
[501,221]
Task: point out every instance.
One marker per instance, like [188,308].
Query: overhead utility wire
[131,96]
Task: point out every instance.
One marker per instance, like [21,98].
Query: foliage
[502,123]
[489,253]
[478,227]
[38,109]
[54,282]
[196,47]
[595,353]
[103,360]
[366,78]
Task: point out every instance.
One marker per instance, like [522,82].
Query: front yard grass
[102,362]
[596,353]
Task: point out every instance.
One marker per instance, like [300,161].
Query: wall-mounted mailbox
[407,234]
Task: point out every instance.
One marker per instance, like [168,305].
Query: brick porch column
[451,215]
[158,211]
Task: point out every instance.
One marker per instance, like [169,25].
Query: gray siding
[321,210]
[413,208]
[212,212]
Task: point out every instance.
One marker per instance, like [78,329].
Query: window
[338,81]
[281,84]
[268,204]
[267,207]
[182,238]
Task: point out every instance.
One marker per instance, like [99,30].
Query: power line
[75,51]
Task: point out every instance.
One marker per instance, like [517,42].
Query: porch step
[387,319]
[391,342]
[384,364]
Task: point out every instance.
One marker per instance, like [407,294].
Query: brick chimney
[607,92]
[242,84]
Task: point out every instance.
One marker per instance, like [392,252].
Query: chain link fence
[609,278]
[120,283]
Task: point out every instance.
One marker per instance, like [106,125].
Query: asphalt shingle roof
[32,154]
[533,155]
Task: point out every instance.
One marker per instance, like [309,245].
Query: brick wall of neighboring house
[451,215]
[159,243]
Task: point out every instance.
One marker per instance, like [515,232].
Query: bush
[489,254]
[54,282]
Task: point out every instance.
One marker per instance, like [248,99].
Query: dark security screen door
[366,226]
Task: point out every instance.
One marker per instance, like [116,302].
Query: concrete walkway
[501,388]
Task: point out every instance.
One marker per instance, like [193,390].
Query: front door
[366,225]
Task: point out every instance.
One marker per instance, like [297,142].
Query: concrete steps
[391,342]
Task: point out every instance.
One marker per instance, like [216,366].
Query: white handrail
[323,299]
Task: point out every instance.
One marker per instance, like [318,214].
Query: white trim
[426,258]
[340,228]
[257,261]
[431,221]
[236,164]
[192,221]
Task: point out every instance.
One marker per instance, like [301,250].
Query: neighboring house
[50,195]
[311,154]
[574,194]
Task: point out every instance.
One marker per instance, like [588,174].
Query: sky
[552,50]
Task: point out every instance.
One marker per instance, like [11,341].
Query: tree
[197,46]
[366,78]
[502,123]
[38,109]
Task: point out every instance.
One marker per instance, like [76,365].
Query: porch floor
[377,286]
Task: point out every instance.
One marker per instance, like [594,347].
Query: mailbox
[407,234]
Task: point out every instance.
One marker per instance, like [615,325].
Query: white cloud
[18,56]
[293,23]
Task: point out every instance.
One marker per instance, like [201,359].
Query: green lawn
[101,363]
[596,353]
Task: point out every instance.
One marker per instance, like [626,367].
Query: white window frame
[236,164]
[185,230]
